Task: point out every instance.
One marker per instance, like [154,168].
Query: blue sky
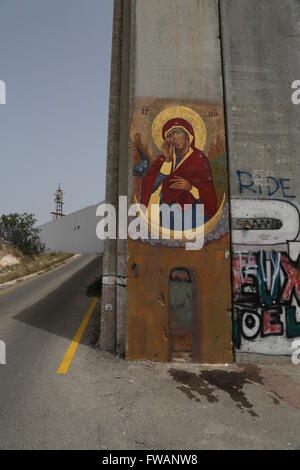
[55,61]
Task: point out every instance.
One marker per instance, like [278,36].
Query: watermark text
[296,94]
[2,92]
[2,353]
[157,222]
[296,353]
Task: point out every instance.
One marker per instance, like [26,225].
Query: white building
[74,233]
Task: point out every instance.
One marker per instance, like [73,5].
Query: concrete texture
[177,50]
[74,233]
[161,49]
[110,258]
[261,359]
[183,51]
[177,59]
[260,44]
[108,404]
[124,168]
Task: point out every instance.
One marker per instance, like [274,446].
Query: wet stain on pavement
[208,382]
[275,398]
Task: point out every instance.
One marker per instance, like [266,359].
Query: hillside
[15,265]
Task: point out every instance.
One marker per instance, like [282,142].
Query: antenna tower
[59,203]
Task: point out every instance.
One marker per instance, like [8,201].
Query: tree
[20,230]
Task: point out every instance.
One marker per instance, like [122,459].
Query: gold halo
[183,112]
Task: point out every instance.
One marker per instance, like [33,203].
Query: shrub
[20,231]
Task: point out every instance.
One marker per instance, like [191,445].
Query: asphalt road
[38,319]
[104,402]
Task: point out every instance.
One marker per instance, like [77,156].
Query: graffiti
[271,321]
[267,186]
[252,285]
[266,282]
[264,222]
[292,285]
[256,224]
[266,292]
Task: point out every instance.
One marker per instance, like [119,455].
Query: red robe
[195,169]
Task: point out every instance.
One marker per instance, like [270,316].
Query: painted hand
[168,150]
[180,183]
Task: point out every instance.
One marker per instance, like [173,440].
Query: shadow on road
[61,311]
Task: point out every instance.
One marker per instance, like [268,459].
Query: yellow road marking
[65,363]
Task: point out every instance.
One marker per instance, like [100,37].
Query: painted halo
[182,112]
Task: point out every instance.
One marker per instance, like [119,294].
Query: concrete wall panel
[177,49]
[177,72]
[261,43]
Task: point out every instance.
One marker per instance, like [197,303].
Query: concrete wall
[176,49]
[260,42]
[173,53]
[169,55]
[113,313]
[75,233]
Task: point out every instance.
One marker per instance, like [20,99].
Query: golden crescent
[167,234]
[183,112]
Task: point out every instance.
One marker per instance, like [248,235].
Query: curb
[30,276]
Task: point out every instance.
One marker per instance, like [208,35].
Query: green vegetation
[20,231]
[21,250]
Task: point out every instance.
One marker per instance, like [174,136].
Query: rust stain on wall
[148,319]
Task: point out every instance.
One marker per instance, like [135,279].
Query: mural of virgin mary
[181,175]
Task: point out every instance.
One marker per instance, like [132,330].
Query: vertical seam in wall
[227,144]
[111,196]
[118,159]
[131,97]
[124,158]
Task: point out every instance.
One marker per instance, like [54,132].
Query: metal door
[181,315]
